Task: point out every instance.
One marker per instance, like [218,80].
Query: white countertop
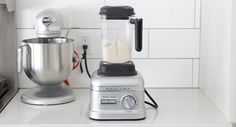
[177,108]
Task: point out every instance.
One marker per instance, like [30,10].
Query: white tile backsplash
[174,43]
[196,73]
[170,56]
[162,13]
[76,13]
[95,44]
[197,13]
[25,34]
[166,72]
[156,73]
[94,41]
[84,13]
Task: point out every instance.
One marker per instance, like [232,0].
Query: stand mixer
[117,89]
[47,61]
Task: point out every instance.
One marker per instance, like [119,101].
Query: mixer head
[49,23]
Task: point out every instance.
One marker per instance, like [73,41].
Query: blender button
[112,101]
[104,101]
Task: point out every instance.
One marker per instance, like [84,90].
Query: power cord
[154,105]
[84,57]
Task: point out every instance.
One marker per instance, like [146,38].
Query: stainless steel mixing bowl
[47,61]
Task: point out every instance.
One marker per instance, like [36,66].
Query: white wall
[232,100]
[2,2]
[218,58]
[170,56]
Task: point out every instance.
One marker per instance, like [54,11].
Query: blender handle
[138,23]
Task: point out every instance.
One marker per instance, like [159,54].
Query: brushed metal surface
[48,95]
[128,101]
[47,61]
[119,88]
[49,23]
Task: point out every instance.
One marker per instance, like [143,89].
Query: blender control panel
[125,100]
[108,101]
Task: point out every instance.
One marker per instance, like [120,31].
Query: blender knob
[128,102]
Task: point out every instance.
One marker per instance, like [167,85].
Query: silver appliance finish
[48,62]
[49,23]
[48,95]
[117,97]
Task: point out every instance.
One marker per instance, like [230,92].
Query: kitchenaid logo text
[116,89]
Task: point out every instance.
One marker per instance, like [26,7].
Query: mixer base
[48,95]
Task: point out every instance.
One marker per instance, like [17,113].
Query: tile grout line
[104,2]
[192,73]
[195,10]
[193,60]
[196,2]
[148,44]
[77,28]
[88,88]
[200,45]
[152,58]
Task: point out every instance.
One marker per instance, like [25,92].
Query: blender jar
[118,24]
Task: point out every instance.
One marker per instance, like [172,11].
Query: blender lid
[117,12]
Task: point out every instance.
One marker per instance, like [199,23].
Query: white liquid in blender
[116,52]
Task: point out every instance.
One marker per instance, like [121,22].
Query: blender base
[48,95]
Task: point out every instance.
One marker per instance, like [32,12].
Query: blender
[117,89]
